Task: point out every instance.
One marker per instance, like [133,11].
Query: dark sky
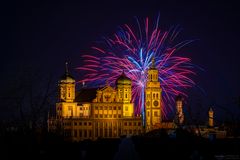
[44,34]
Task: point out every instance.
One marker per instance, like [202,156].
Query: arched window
[153,95]
[69,94]
[157,95]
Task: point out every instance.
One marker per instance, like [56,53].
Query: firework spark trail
[132,50]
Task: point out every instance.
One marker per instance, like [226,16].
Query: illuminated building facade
[95,112]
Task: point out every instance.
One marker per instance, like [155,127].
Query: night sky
[43,35]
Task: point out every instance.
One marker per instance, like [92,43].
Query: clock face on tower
[155,103]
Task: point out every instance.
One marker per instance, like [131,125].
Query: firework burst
[131,49]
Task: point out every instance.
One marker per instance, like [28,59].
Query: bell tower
[153,95]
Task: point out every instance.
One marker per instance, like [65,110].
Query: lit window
[155,113]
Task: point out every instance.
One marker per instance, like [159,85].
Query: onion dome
[179,98]
[67,78]
[123,79]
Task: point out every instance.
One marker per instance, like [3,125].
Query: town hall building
[106,112]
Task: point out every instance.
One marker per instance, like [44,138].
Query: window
[125,95]
[80,133]
[157,95]
[115,116]
[101,116]
[130,131]
[101,108]
[80,123]
[119,116]
[96,115]
[90,133]
[148,113]
[75,133]
[134,123]
[105,116]
[155,113]
[114,108]
[85,133]
[126,108]
[153,95]
[85,123]
[75,123]
[130,123]
[125,123]
[105,107]
[110,116]
[139,123]
[89,123]
[96,107]
[119,108]
[69,95]
[110,108]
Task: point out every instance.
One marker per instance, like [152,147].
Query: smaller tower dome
[67,78]
[123,79]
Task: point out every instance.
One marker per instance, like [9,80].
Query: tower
[66,87]
[124,94]
[153,95]
[66,107]
[179,110]
[210,117]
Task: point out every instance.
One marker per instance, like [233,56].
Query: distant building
[105,112]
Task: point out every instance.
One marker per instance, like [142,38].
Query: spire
[66,68]
[153,62]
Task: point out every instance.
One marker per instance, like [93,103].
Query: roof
[179,98]
[123,79]
[86,95]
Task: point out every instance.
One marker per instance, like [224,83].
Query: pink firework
[131,49]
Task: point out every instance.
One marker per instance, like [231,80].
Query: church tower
[210,117]
[66,107]
[179,110]
[153,95]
